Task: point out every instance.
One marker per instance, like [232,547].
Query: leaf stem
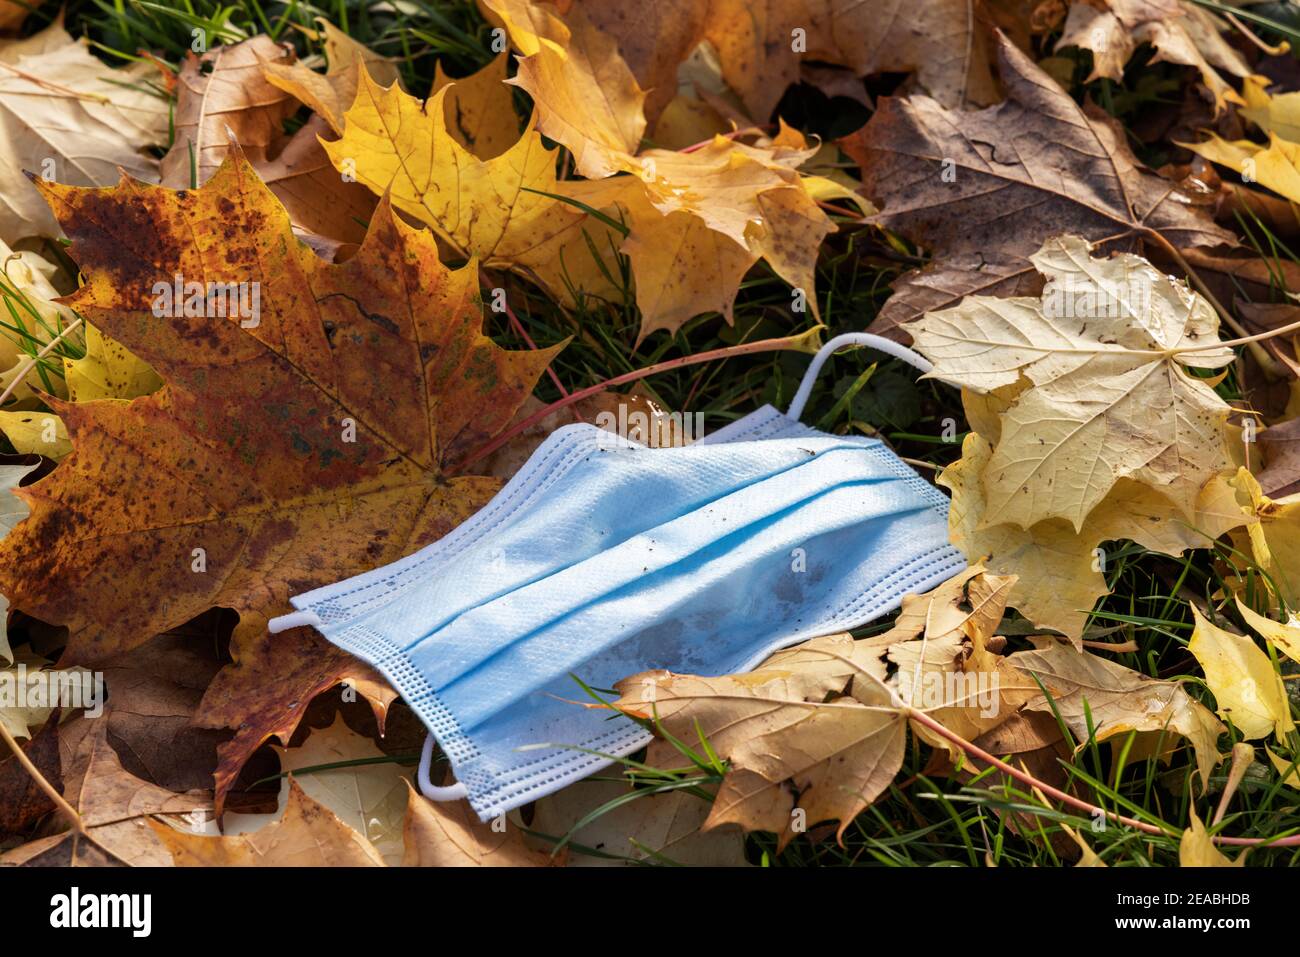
[1272,369]
[1092,810]
[798,342]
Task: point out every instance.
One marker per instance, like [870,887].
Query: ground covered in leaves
[472,222]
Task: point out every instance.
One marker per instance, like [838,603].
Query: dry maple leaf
[113,805]
[787,722]
[984,190]
[328,94]
[941,645]
[1102,364]
[941,41]
[307,835]
[451,835]
[822,726]
[295,451]
[64,113]
[698,218]
[1099,698]
[492,209]
[316,443]
[1058,577]
[226,92]
[1180,32]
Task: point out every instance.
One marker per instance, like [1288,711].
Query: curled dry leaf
[226,95]
[1246,686]
[792,732]
[1180,32]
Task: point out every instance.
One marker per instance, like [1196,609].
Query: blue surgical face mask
[603,558]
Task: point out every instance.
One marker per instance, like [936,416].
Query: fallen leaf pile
[255,294]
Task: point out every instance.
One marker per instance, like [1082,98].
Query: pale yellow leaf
[1197,848]
[1248,689]
[1109,395]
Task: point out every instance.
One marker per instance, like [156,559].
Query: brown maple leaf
[984,190]
[288,449]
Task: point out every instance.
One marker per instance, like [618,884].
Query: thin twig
[66,809]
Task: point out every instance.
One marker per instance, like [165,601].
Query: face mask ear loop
[453,792]
[887,346]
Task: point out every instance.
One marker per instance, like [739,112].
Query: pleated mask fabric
[602,558]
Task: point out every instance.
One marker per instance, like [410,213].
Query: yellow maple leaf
[329,94]
[479,110]
[1059,569]
[493,209]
